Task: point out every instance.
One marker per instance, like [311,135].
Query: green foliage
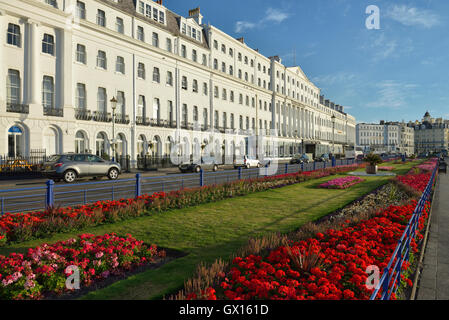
[373,159]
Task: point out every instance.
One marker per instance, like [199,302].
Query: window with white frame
[13,35]
[48,44]
[195,86]
[141,7]
[120,65]
[81,53]
[148,11]
[140,34]
[13,87]
[156,109]
[169,78]
[183,51]
[184,83]
[216,94]
[141,70]
[48,93]
[119,25]
[156,75]
[101,100]
[53,3]
[80,98]
[101,60]
[168,45]
[194,55]
[101,18]
[80,10]
[205,92]
[141,106]
[155,40]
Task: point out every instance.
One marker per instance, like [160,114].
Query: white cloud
[243,26]
[272,15]
[276,15]
[392,94]
[337,78]
[411,16]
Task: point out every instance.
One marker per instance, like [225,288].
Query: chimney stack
[159,2]
[196,14]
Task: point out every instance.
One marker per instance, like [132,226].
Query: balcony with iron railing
[142,121]
[122,119]
[83,114]
[99,116]
[53,112]
[162,123]
[17,108]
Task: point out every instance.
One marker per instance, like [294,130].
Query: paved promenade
[434,283]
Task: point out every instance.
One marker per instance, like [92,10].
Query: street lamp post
[333,135]
[113,107]
[296,147]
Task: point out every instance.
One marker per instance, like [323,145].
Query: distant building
[386,137]
[431,135]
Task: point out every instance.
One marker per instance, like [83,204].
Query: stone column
[35,81]
[3,69]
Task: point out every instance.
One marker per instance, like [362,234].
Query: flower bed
[42,271]
[341,183]
[386,168]
[331,265]
[25,226]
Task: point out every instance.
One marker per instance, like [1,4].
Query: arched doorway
[81,143]
[102,145]
[16,142]
[121,148]
[157,147]
[51,141]
[142,145]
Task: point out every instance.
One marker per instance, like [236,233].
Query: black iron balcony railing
[54,112]
[17,108]
[102,116]
[162,123]
[142,121]
[83,114]
[122,119]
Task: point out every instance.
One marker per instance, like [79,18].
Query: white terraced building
[175,80]
[386,137]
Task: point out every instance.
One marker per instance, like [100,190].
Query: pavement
[434,283]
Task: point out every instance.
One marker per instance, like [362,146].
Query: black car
[298,159]
[197,167]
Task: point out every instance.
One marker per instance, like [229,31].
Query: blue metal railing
[391,277]
[39,198]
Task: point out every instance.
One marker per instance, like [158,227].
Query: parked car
[69,167]
[247,162]
[197,167]
[300,158]
[323,158]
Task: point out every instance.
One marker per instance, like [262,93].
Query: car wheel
[248,166]
[113,174]
[69,176]
[215,168]
[198,169]
[259,165]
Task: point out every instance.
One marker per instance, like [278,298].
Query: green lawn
[215,230]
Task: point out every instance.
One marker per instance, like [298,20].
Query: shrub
[373,159]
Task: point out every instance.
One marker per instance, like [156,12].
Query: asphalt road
[30,195]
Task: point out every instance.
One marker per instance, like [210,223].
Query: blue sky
[395,73]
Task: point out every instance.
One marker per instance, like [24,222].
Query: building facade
[386,137]
[180,85]
[431,135]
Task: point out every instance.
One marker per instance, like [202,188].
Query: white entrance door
[50,141]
